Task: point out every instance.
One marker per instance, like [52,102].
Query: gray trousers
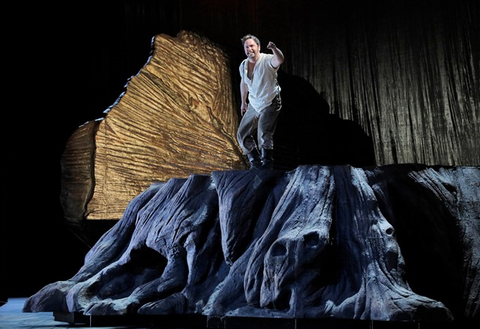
[260,124]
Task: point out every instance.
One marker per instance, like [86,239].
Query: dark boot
[254,159]
[267,159]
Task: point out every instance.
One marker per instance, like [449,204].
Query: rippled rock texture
[176,117]
[393,243]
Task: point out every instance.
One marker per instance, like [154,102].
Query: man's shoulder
[265,55]
[265,58]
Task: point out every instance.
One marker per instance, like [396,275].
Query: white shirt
[263,87]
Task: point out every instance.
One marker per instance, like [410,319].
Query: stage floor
[12,317]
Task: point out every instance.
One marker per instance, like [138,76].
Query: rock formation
[175,117]
[313,242]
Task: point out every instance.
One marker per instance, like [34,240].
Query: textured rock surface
[176,117]
[314,242]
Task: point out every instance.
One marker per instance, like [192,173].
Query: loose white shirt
[263,87]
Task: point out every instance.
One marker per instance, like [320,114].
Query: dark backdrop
[68,62]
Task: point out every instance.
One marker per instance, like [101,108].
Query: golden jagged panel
[77,180]
[176,118]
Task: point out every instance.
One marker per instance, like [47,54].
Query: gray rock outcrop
[314,242]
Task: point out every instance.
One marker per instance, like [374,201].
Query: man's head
[251,45]
[249,36]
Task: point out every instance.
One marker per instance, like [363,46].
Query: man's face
[251,49]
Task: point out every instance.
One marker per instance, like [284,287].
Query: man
[259,84]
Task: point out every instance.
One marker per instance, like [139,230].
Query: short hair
[249,36]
